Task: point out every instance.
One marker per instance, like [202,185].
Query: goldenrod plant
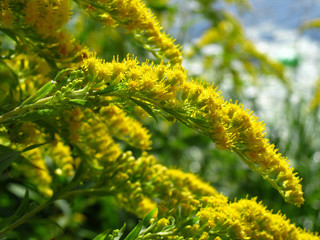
[71,128]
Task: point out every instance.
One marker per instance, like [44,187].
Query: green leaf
[105,234]
[81,169]
[186,223]
[120,233]
[4,149]
[33,147]
[59,75]
[38,115]
[60,79]
[23,205]
[7,221]
[18,213]
[42,92]
[10,33]
[7,156]
[107,90]
[145,107]
[135,232]
[10,235]
[143,224]
[147,218]
[78,102]
[102,236]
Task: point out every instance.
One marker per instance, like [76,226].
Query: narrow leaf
[4,149]
[58,76]
[7,221]
[102,236]
[135,232]
[43,91]
[7,158]
[145,107]
[23,205]
[10,33]
[147,218]
[38,115]
[107,90]
[60,79]
[120,233]
[33,147]
[78,102]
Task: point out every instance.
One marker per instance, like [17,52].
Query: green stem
[25,217]
[41,104]
[66,195]
[85,191]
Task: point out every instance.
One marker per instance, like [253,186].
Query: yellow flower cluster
[147,180]
[33,167]
[142,180]
[46,16]
[216,218]
[201,107]
[125,128]
[159,81]
[97,143]
[134,16]
[260,155]
[60,153]
[245,219]
[27,63]
[189,182]
[237,129]
[36,171]
[43,21]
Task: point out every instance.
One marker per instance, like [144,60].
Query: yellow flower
[134,16]
[36,171]
[61,156]
[200,106]
[125,128]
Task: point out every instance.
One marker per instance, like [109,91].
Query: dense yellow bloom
[36,171]
[143,179]
[234,128]
[159,81]
[47,16]
[125,128]
[264,224]
[243,219]
[190,182]
[27,63]
[134,16]
[42,22]
[200,106]
[92,136]
[61,156]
